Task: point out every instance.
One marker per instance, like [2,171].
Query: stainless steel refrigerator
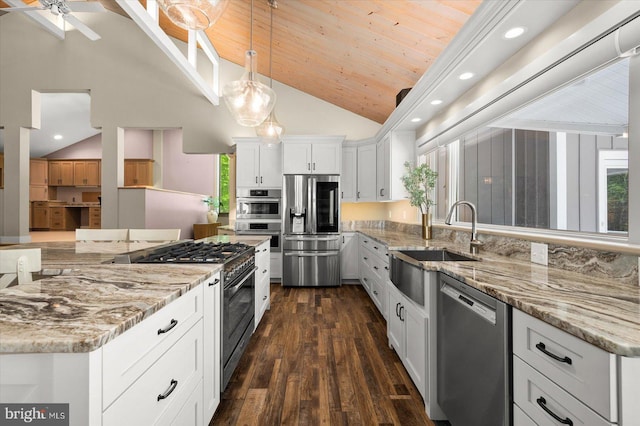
[311,230]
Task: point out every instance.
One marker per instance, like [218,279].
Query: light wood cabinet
[40,215]
[204,230]
[138,172]
[95,217]
[63,219]
[38,171]
[86,173]
[61,173]
[38,193]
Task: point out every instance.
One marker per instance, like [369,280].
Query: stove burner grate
[190,252]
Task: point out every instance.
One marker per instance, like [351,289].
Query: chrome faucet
[475,244]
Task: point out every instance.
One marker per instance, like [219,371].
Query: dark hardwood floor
[320,357]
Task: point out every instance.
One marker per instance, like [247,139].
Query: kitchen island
[109,339]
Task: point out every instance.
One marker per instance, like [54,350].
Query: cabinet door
[296,158]
[66,173]
[144,171]
[326,158]
[415,323]
[248,165]
[38,193]
[40,218]
[395,326]
[55,173]
[38,172]
[383,152]
[348,175]
[349,256]
[79,173]
[270,166]
[92,173]
[211,346]
[1,171]
[366,173]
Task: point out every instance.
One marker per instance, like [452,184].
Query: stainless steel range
[238,283]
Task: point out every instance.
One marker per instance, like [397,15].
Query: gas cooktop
[187,252]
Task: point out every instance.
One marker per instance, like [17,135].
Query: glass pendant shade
[270,130]
[193,14]
[248,100]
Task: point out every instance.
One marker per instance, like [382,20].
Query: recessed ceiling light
[57,137]
[436,102]
[465,75]
[416,119]
[515,32]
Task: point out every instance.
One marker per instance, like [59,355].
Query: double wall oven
[259,212]
[238,288]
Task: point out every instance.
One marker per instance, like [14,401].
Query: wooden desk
[204,230]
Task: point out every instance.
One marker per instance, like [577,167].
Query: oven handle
[296,238]
[312,254]
[236,287]
[250,200]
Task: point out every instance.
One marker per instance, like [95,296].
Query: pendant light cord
[251,28]
[270,47]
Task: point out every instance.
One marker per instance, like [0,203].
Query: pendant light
[193,14]
[248,100]
[270,130]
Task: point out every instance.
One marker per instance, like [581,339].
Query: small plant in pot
[213,204]
[419,181]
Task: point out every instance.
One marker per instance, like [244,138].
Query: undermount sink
[436,256]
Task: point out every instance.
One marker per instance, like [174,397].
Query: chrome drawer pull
[216,281]
[542,403]
[172,324]
[542,348]
[172,387]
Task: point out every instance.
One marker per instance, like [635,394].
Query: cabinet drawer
[165,387]
[520,418]
[128,356]
[589,373]
[191,413]
[532,391]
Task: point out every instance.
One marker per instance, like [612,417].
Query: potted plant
[419,181]
[213,204]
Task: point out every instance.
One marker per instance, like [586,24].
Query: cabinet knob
[314,166]
[264,272]
[382,192]
[264,297]
[358,194]
[260,179]
[308,166]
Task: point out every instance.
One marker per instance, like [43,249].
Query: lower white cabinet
[349,256]
[262,281]
[211,347]
[407,332]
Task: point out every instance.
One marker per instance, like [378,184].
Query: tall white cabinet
[259,165]
[396,148]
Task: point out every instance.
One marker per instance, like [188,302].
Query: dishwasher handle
[468,301]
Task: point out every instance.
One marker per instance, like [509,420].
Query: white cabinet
[366,173]
[312,155]
[263,281]
[407,332]
[258,165]
[348,183]
[349,256]
[393,151]
[211,346]
[374,271]
[555,373]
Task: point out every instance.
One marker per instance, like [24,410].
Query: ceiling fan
[63,9]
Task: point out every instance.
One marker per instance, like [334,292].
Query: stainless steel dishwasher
[474,363]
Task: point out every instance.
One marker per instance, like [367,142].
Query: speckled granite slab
[603,312]
[85,302]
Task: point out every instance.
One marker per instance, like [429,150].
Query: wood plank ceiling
[356,54]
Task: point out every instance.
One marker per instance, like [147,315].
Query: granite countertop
[602,312]
[81,303]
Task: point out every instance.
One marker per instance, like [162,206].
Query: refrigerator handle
[312,205]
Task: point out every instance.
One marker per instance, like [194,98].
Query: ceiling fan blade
[21,9]
[80,26]
[86,6]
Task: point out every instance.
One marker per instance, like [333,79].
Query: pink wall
[185,172]
[173,210]
[137,144]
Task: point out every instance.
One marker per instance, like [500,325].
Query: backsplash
[619,266]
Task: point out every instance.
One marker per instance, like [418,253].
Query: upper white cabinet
[312,155]
[393,151]
[258,165]
[366,182]
[348,176]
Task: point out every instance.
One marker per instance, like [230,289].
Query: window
[223,182]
